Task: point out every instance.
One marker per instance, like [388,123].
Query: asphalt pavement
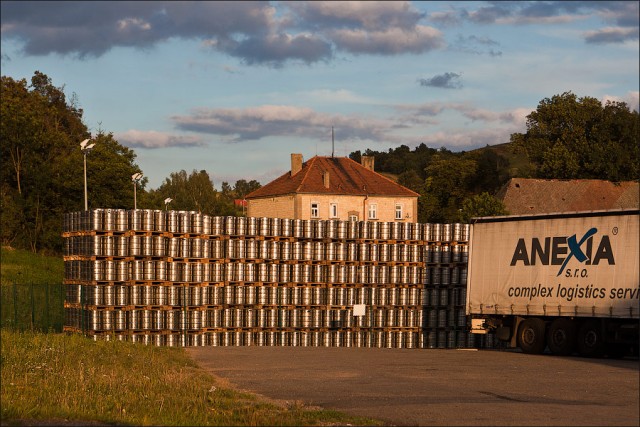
[421,387]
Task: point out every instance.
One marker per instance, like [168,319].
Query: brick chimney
[325,179]
[368,162]
[296,163]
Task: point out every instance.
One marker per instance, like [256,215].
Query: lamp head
[168,200]
[83,144]
[136,176]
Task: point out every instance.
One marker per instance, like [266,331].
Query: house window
[315,210]
[373,211]
[398,211]
[333,210]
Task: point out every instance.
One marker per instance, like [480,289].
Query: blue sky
[234,88]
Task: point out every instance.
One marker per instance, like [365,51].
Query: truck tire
[531,339]
[590,339]
[561,337]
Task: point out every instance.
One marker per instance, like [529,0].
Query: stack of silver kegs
[182,278]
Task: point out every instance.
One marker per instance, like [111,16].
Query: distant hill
[511,163]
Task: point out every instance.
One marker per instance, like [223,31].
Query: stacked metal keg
[181,278]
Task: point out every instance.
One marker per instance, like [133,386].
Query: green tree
[18,132]
[412,180]
[37,130]
[482,204]
[491,172]
[42,167]
[229,194]
[20,128]
[448,178]
[560,163]
[192,192]
[579,138]
[242,187]
[399,160]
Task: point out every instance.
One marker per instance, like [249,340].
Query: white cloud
[631,99]
[338,96]
[518,117]
[260,122]
[389,41]
[538,20]
[459,139]
[129,24]
[370,15]
[611,35]
[153,139]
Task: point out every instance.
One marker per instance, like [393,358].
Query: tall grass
[49,377]
[32,293]
[23,267]
[57,376]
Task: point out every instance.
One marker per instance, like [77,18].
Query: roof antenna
[332,142]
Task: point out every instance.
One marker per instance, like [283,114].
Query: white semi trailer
[568,282]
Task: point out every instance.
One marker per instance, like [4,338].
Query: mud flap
[503,333]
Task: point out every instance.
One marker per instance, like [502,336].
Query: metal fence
[36,307]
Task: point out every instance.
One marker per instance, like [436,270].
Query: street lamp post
[166,203]
[135,178]
[85,150]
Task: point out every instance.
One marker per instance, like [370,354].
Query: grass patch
[32,291]
[18,266]
[58,376]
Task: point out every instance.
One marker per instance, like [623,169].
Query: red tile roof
[346,177]
[535,196]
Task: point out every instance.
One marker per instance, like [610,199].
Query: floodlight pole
[86,202]
[85,150]
[135,178]
[135,197]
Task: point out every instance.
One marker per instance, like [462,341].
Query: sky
[234,88]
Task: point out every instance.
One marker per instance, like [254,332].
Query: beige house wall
[271,207]
[299,207]
[386,208]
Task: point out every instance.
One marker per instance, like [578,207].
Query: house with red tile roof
[523,196]
[333,188]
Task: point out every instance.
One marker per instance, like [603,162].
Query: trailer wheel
[590,339]
[531,336]
[561,336]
